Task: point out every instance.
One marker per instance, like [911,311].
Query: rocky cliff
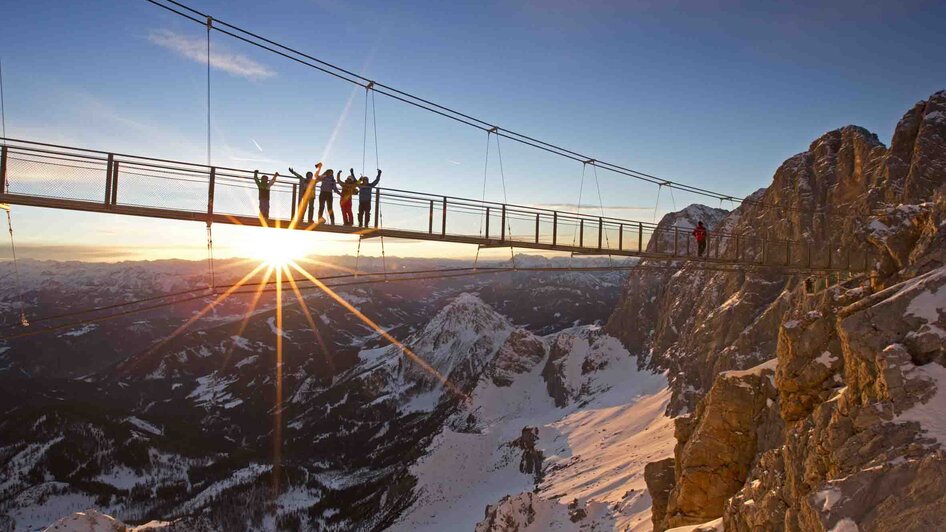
[834,422]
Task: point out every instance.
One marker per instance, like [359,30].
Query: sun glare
[276,247]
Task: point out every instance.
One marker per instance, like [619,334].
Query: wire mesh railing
[123,182]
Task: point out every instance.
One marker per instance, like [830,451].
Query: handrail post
[536,228]
[581,232]
[830,258]
[640,237]
[377,206]
[487,223]
[211,184]
[620,237]
[600,231]
[292,206]
[554,228]
[3,169]
[108,178]
[430,219]
[443,222]
[114,198]
[502,226]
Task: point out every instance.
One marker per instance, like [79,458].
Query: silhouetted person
[364,199]
[700,234]
[306,194]
[349,187]
[326,189]
[264,185]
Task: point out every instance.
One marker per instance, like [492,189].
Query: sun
[275,247]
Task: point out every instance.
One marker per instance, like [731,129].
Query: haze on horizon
[710,94]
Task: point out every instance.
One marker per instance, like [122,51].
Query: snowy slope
[594,448]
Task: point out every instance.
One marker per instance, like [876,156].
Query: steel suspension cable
[16,272]
[581,188]
[210,240]
[3,111]
[421,103]
[364,136]
[374,121]
[502,177]
[607,240]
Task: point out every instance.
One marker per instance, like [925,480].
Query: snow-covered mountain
[183,429]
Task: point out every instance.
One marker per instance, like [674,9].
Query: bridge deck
[58,177]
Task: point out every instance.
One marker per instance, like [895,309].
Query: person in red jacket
[700,234]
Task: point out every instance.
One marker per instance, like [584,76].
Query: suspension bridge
[37,174]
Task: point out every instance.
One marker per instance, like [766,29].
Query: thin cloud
[595,206]
[195,49]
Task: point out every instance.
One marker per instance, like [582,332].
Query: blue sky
[714,94]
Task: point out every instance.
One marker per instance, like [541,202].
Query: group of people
[329,183]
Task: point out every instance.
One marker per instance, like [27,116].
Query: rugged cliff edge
[823,411]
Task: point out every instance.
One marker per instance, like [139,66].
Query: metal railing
[123,183]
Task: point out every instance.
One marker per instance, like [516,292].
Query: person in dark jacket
[264,185]
[364,199]
[700,234]
[306,194]
[327,187]
[349,187]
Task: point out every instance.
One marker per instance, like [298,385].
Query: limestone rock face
[713,460]
[660,481]
[521,352]
[842,429]
[531,462]
[914,169]
[698,323]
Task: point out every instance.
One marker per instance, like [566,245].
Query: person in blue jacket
[364,199]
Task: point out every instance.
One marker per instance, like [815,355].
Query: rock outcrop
[842,429]
[717,446]
[660,480]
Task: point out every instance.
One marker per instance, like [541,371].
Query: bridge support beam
[114,199]
[600,231]
[211,184]
[377,206]
[108,179]
[430,219]
[536,228]
[555,228]
[502,221]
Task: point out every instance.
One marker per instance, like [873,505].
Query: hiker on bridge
[264,185]
[349,187]
[700,234]
[364,199]
[306,193]
[326,189]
